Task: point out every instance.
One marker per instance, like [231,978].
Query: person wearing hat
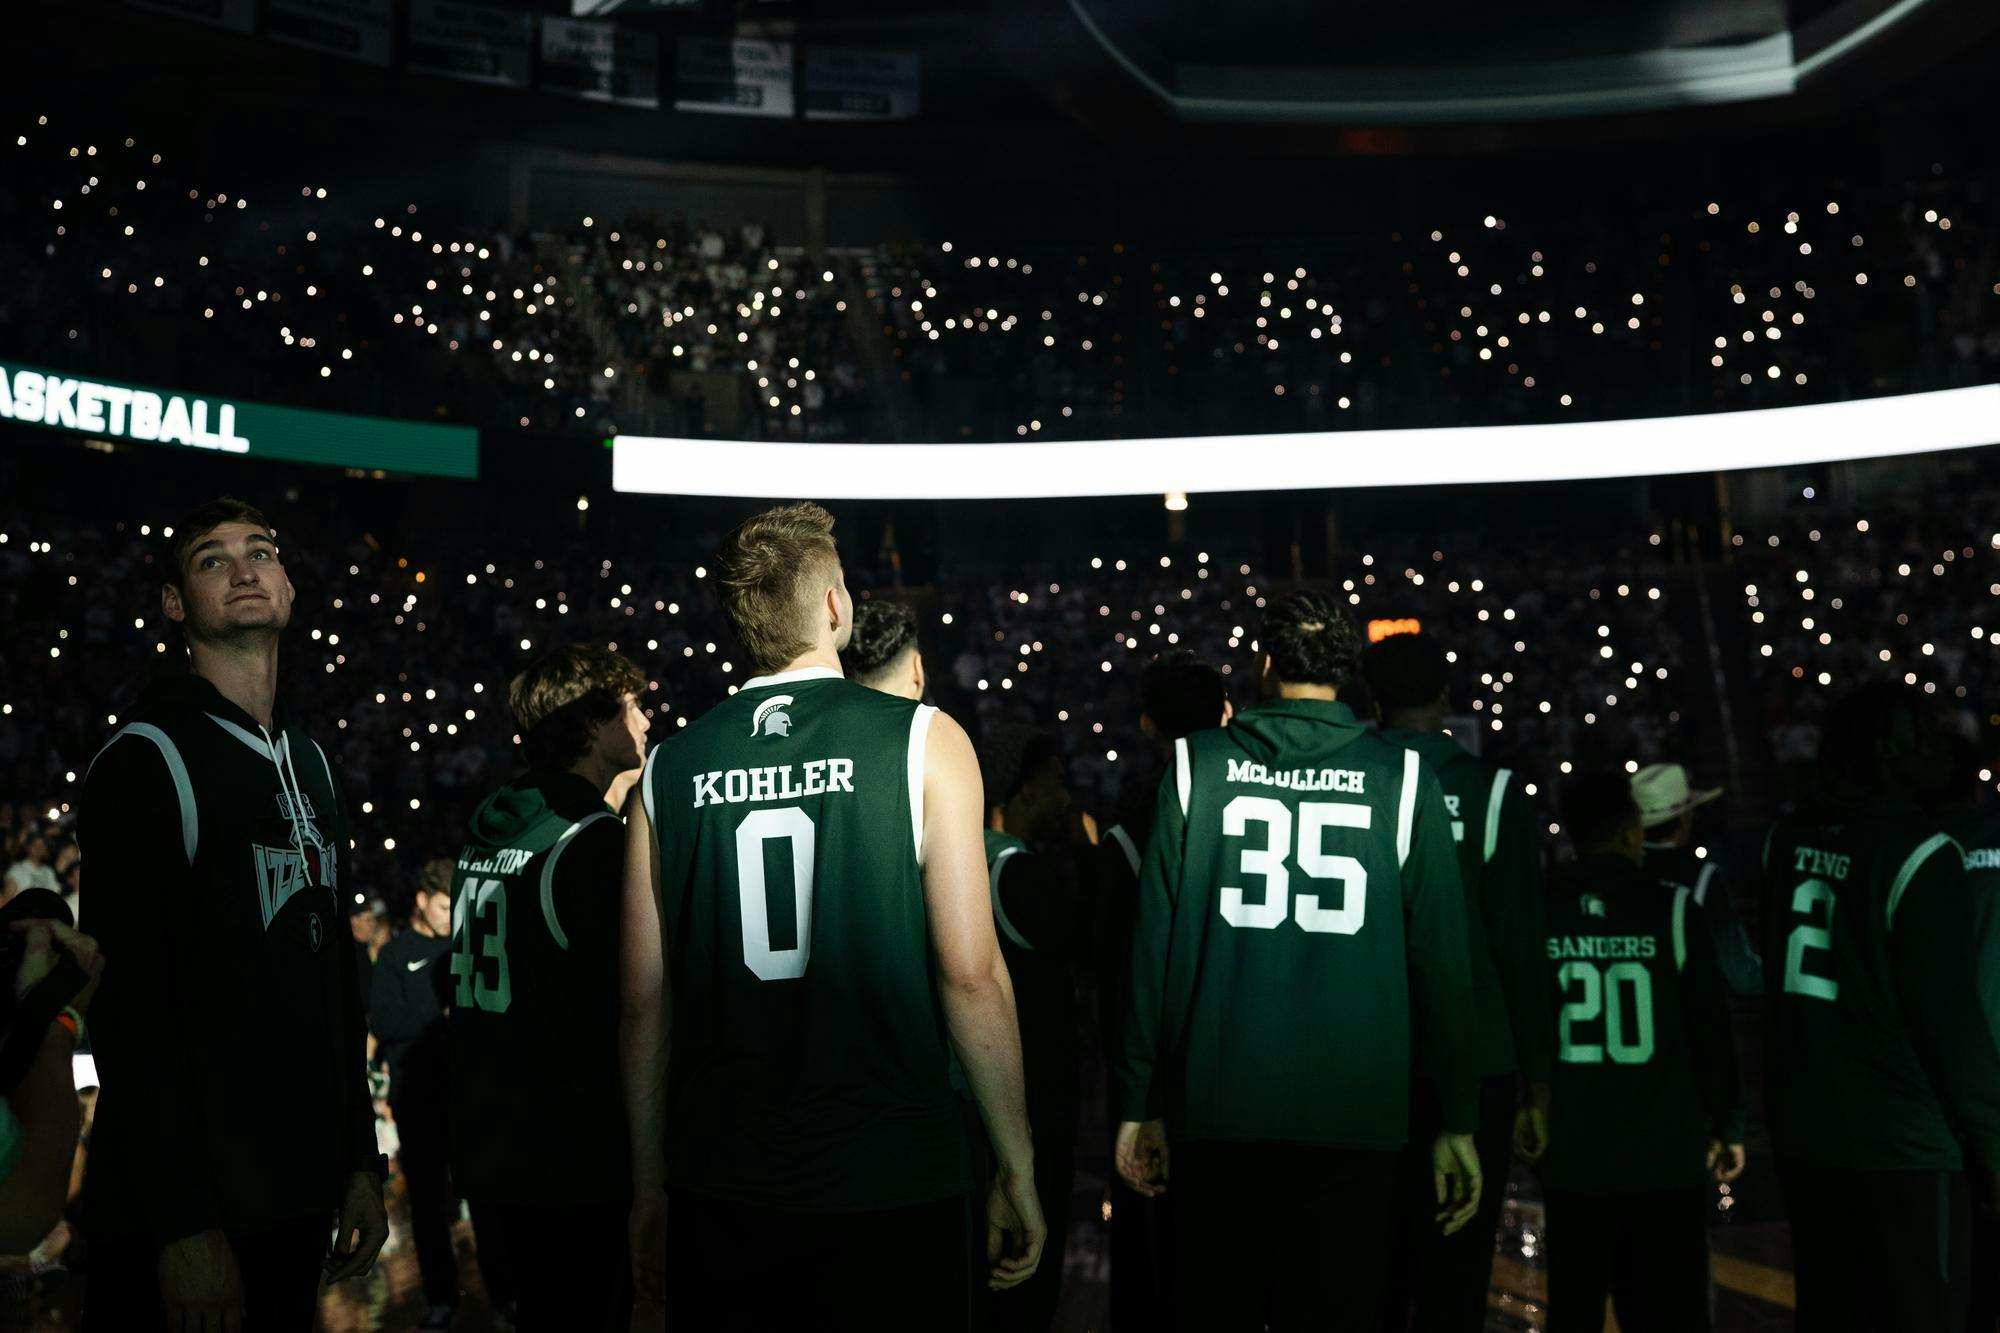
[1034,911]
[1666,806]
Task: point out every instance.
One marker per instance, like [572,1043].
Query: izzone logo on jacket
[118,411]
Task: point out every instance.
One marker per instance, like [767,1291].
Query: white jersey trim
[1406,807]
[1183,774]
[1701,884]
[1493,811]
[549,875]
[1911,865]
[1681,896]
[791,677]
[999,911]
[176,770]
[1118,835]
[920,730]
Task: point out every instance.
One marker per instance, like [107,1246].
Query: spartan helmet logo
[1591,904]
[770,718]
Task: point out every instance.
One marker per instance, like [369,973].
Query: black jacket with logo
[406,1002]
[228,1030]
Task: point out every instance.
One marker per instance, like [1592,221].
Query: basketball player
[1179,694]
[809,939]
[538,1117]
[1034,907]
[1647,1105]
[883,653]
[1883,1078]
[1300,884]
[1979,834]
[216,839]
[1440,1282]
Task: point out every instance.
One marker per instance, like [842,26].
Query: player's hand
[1455,1169]
[1015,1229]
[1725,1160]
[364,1226]
[201,1285]
[1531,1126]
[47,941]
[1142,1158]
[646,1238]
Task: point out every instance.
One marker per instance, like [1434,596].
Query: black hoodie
[228,1030]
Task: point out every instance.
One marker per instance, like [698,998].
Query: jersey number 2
[1268,863]
[481,913]
[795,827]
[1805,935]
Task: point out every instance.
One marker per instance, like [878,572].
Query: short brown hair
[203,519]
[565,696]
[435,877]
[773,568]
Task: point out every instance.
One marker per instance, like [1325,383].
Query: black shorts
[738,1266]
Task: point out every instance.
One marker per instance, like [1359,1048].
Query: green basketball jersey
[809,1066]
[1500,869]
[1299,882]
[534,990]
[1644,1071]
[1877,1058]
[1981,840]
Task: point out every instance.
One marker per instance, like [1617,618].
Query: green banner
[114,411]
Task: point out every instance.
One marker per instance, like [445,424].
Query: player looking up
[809,939]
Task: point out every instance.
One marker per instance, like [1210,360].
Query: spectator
[33,870]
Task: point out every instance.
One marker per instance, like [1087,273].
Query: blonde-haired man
[538,1120]
[809,855]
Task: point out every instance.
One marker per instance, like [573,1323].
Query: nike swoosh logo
[418,967]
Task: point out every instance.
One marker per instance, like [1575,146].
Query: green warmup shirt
[1645,1074]
[1299,883]
[1981,840]
[1500,869]
[809,1068]
[1034,911]
[532,985]
[1876,1058]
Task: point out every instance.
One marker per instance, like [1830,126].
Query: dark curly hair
[1405,671]
[882,630]
[1181,693]
[561,700]
[1310,640]
[1598,806]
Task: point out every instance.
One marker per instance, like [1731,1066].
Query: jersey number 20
[1602,997]
[1268,863]
[480,915]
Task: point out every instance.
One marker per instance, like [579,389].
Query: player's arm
[140,888]
[1705,1013]
[362,1226]
[1441,973]
[976,992]
[1139,1097]
[644,1028]
[1931,949]
[1735,954]
[1511,902]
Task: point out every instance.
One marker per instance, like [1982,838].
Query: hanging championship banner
[478,43]
[861,85]
[600,62]
[237,15]
[733,77]
[355,29]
